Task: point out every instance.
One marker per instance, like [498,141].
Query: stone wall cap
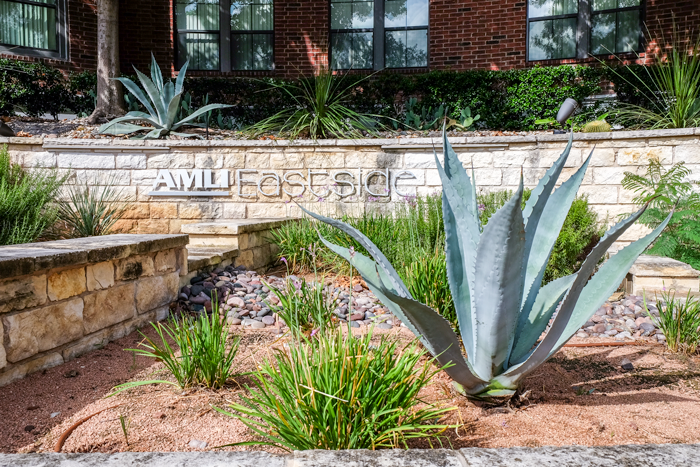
[233,227]
[27,258]
[659,266]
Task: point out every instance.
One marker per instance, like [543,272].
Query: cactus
[495,277]
[596,126]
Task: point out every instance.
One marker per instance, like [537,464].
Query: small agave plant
[163,107]
[495,277]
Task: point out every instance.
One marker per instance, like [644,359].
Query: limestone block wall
[61,299]
[242,179]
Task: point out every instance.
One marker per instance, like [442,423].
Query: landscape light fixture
[566,109]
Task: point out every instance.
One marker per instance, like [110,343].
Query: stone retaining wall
[61,299]
[257,179]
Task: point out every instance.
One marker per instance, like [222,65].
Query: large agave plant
[496,276]
[163,106]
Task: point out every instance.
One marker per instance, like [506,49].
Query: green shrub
[341,393]
[33,88]
[26,198]
[92,209]
[204,355]
[679,321]
[666,190]
[83,92]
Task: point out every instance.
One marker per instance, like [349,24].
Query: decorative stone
[153,292]
[65,284]
[626,365]
[39,330]
[268,320]
[100,276]
[108,307]
[21,293]
[236,301]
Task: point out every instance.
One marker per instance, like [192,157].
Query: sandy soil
[657,402]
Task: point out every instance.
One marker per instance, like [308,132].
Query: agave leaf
[153,93]
[180,81]
[498,287]
[544,236]
[438,337]
[203,110]
[138,93]
[539,196]
[393,277]
[156,75]
[458,275]
[462,184]
[605,282]
[118,128]
[538,317]
[173,107]
[542,351]
[167,95]
[461,241]
[186,135]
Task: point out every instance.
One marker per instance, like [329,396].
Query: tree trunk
[110,95]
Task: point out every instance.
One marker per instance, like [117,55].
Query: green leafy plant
[206,351]
[465,121]
[303,307]
[342,392]
[679,321]
[321,110]
[426,118]
[91,209]
[26,200]
[666,191]
[496,278]
[162,104]
[669,89]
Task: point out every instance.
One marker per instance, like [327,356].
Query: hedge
[505,100]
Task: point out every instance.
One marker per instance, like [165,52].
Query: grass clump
[206,351]
[679,321]
[26,201]
[341,392]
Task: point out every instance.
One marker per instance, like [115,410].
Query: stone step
[240,233]
[653,274]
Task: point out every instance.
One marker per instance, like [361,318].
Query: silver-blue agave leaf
[498,287]
[153,94]
[572,315]
[544,237]
[394,281]
[461,241]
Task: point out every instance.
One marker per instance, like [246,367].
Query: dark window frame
[61,35]
[225,34]
[378,39]
[583,29]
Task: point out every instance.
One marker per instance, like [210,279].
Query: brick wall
[464,34]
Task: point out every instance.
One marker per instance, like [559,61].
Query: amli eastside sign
[344,183]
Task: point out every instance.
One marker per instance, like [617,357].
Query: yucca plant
[162,104]
[92,210]
[496,280]
[321,110]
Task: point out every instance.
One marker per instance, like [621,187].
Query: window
[252,41]
[615,26]
[378,34]
[225,35]
[32,27]
[559,29]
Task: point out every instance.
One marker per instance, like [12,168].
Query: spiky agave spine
[596,126]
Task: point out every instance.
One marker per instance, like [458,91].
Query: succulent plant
[496,276]
[596,126]
[163,106]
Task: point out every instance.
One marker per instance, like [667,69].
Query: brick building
[286,38]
